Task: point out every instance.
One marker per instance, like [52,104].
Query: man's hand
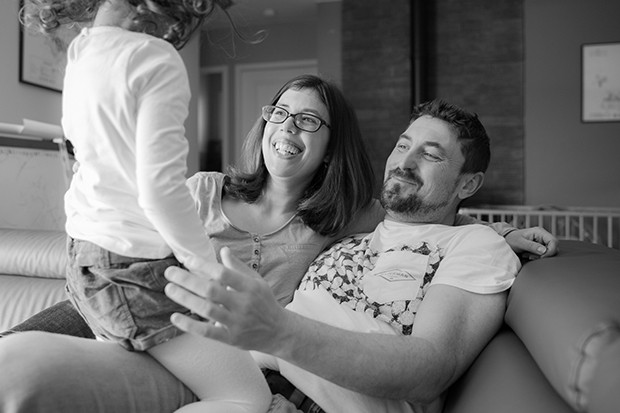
[532,243]
[237,305]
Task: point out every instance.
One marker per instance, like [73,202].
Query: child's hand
[532,243]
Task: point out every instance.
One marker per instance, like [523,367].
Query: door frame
[203,102]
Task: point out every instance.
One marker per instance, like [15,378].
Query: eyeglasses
[303,121]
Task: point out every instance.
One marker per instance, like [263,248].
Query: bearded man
[384,322]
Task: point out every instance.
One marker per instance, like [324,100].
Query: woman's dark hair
[471,134]
[339,189]
[173,21]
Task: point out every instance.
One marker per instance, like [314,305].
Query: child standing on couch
[129,214]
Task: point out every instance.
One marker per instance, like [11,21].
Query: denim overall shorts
[121,298]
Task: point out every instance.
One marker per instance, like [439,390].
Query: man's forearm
[451,328]
[382,365]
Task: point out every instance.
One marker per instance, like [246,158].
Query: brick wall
[475,59]
[376,71]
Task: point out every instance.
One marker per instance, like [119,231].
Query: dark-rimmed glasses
[304,121]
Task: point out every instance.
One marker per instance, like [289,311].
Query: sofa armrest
[566,311]
[33,253]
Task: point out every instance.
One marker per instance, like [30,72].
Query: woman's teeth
[286,149]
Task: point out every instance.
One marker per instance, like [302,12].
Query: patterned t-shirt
[376,283]
[385,275]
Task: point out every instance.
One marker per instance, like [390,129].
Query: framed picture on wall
[43,58]
[600,82]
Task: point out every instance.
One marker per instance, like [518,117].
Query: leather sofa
[32,267]
[558,351]
[559,348]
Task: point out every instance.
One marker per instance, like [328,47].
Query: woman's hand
[532,243]
[236,305]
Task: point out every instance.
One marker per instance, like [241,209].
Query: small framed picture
[600,82]
[43,58]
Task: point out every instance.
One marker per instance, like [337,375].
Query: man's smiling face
[423,172]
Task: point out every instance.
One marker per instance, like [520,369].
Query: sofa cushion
[22,297]
[606,381]
[33,253]
[566,310]
[504,379]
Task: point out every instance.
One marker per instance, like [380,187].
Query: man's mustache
[407,174]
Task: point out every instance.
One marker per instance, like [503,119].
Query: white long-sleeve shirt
[125,101]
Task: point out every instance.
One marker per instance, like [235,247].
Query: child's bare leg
[224,378]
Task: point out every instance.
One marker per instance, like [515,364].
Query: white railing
[596,225]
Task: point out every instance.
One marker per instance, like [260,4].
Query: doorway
[213,128]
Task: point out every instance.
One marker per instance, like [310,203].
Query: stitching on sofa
[589,349]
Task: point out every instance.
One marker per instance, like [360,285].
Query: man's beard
[411,205]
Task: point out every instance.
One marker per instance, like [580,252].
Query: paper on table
[42,129]
[11,128]
[32,129]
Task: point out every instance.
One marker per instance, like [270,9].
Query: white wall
[19,100]
[567,162]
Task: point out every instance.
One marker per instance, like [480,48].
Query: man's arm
[531,243]
[452,327]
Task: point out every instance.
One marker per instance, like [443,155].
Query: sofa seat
[495,383]
[558,351]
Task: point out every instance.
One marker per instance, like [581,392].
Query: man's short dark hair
[472,136]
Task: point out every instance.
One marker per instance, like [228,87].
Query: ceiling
[266,12]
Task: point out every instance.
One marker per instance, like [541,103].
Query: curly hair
[173,21]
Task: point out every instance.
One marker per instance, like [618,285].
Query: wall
[19,100]
[472,56]
[475,60]
[517,63]
[222,47]
[318,36]
[567,162]
[376,72]
[191,57]
[329,39]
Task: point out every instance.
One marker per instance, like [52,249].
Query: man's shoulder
[451,239]
[473,235]
[475,229]
[439,231]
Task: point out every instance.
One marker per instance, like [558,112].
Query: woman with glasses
[304,181]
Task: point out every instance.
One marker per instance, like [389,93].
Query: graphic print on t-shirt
[389,285]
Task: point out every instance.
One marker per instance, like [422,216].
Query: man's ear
[470,184]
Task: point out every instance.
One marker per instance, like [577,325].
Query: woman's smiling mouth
[286,148]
